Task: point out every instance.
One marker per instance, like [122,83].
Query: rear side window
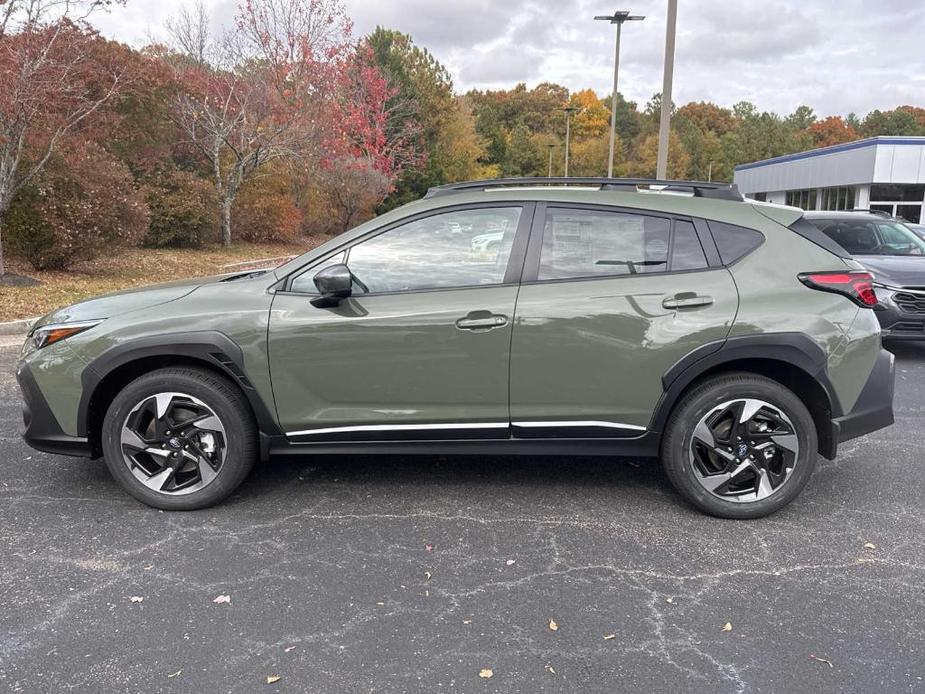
[686,251]
[585,243]
[734,242]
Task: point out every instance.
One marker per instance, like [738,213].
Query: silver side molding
[400,427]
[463,425]
[581,423]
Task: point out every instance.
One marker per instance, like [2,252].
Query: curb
[17,327]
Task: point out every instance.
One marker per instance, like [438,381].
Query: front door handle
[481,320]
[687,300]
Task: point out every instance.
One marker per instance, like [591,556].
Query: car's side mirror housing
[334,283]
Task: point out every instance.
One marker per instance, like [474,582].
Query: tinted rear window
[734,242]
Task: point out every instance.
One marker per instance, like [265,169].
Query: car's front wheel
[740,446]
[179,438]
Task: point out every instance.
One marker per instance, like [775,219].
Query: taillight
[857,285]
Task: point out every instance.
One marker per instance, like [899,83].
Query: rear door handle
[687,300]
[481,320]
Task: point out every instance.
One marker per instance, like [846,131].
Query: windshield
[872,237]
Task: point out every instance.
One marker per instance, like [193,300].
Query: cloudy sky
[838,56]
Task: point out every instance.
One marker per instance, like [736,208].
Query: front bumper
[42,431]
[901,314]
[874,407]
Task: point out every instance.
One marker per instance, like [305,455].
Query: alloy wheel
[173,443]
[744,450]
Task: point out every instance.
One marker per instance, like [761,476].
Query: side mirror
[334,283]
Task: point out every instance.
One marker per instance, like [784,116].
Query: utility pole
[617,18]
[569,110]
[551,148]
[665,121]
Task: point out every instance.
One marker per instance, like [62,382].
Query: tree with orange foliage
[592,118]
[831,131]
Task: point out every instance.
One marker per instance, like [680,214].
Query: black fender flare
[209,346]
[795,349]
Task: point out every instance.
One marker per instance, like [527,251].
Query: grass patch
[130,268]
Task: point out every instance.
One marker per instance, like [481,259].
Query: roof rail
[879,213]
[699,189]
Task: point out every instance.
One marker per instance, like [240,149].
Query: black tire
[697,404]
[241,445]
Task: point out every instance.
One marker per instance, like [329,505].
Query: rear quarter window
[734,242]
[812,231]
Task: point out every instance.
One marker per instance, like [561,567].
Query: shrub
[82,205]
[264,211]
[184,211]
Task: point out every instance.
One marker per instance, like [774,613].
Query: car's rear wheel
[179,438]
[739,446]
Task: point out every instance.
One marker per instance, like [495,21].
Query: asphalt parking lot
[415,574]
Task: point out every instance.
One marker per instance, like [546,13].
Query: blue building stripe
[847,147]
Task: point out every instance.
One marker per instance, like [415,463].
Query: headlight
[883,292]
[55,332]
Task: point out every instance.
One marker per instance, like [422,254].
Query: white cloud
[837,56]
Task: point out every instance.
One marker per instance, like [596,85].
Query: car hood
[117,303]
[896,270]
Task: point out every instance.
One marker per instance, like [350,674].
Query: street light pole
[665,121]
[551,148]
[569,110]
[616,18]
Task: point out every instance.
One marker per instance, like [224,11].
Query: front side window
[464,248]
[578,243]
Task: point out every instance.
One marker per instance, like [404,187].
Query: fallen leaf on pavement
[273,678]
[510,562]
[870,545]
[610,636]
[288,648]
[553,626]
[429,548]
[821,660]
[136,598]
[669,600]
[727,626]
[467,621]
[148,567]
[550,669]
[174,674]
[427,575]
[485,673]
[222,599]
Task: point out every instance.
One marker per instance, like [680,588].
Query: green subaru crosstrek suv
[731,339]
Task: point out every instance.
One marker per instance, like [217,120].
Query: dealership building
[879,173]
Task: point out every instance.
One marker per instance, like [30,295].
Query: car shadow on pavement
[906,351]
[380,473]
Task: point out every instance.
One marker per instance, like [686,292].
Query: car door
[611,299]
[422,347]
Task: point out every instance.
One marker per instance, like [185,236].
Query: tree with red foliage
[54,76]
[260,93]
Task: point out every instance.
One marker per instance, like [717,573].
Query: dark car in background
[895,254]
